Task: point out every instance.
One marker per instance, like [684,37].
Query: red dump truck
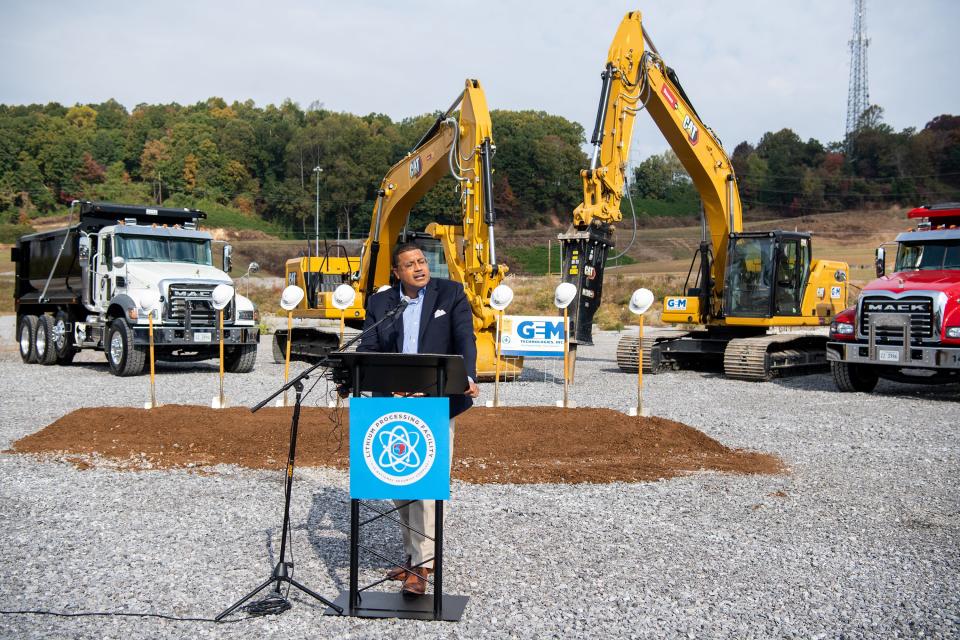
[905,325]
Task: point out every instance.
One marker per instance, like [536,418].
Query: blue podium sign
[400,448]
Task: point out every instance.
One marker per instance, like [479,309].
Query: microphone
[404,303]
[338,375]
[389,314]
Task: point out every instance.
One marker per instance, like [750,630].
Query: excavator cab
[766,274]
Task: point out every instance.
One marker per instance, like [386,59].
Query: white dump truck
[83,287]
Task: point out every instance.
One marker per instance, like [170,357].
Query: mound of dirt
[506,445]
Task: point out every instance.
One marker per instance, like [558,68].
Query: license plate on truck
[889,355]
[202,336]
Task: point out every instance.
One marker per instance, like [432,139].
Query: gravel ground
[860,539]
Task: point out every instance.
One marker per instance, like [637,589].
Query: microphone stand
[281,572]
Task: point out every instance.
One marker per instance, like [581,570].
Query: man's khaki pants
[420,515]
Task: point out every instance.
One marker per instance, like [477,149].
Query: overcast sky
[749,66]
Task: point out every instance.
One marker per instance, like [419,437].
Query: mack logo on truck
[895,307]
[190,293]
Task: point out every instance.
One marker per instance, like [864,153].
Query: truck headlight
[245,315]
[841,328]
[953,333]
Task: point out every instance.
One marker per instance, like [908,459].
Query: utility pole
[318,170]
[858,94]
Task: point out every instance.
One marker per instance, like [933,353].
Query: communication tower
[858,94]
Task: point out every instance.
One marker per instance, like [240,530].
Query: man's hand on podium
[473,391]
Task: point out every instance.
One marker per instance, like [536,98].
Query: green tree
[28,179]
[542,155]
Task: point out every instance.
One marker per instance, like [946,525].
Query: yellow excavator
[459,146]
[740,285]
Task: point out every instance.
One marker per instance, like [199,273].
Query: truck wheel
[26,333]
[63,338]
[240,359]
[125,358]
[43,341]
[854,377]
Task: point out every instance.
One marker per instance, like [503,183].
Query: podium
[384,374]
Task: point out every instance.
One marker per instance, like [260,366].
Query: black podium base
[394,605]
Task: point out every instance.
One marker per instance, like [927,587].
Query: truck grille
[198,298]
[919,309]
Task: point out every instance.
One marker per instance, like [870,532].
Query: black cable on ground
[271,605]
[120,614]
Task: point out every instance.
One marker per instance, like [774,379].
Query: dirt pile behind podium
[505,445]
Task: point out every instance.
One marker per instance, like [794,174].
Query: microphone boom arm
[325,362]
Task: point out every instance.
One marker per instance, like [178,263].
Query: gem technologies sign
[535,336]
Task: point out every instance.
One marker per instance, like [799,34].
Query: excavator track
[627,349]
[770,356]
[311,343]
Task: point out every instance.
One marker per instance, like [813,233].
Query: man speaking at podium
[436,319]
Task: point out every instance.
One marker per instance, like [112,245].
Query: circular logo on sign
[399,448]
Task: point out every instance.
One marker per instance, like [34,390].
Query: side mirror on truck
[881,262]
[227,258]
[83,251]
[118,262]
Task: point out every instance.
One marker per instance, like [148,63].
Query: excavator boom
[460,145]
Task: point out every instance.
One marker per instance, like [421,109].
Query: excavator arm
[635,78]
[403,186]
[603,182]
[463,147]
[465,150]
[702,155]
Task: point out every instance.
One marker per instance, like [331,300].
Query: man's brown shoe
[415,582]
[399,573]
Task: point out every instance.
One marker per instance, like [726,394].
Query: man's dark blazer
[446,327]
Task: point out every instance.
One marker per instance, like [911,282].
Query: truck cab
[84,287]
[906,324]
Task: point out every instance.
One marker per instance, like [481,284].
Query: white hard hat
[149,300]
[221,296]
[343,296]
[564,294]
[501,297]
[291,297]
[640,301]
